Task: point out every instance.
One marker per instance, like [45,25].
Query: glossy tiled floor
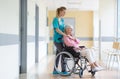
[43,70]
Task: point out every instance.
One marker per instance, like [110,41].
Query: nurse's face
[62,13]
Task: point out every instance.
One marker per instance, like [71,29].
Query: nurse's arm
[60,32]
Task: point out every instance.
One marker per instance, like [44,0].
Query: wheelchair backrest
[69,49]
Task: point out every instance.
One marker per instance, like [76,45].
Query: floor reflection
[44,69]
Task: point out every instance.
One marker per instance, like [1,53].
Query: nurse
[58,27]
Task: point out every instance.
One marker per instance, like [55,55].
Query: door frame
[23,36]
[36,33]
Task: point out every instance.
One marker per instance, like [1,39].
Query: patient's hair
[68,26]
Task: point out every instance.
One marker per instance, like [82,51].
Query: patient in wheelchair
[70,40]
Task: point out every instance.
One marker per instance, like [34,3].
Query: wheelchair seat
[71,50]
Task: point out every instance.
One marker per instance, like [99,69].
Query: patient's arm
[74,38]
[77,40]
[70,42]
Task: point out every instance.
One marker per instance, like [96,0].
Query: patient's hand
[83,48]
[71,37]
[79,48]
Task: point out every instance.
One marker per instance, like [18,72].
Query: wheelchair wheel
[81,73]
[93,73]
[83,63]
[66,61]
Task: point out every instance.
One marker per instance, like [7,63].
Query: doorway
[70,21]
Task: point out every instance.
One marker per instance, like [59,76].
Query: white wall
[96,31]
[31,32]
[107,10]
[9,39]
[96,27]
[42,30]
[107,17]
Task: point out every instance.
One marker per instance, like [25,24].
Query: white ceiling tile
[74,4]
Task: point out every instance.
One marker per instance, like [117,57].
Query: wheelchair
[73,62]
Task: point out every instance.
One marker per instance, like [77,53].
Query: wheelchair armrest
[69,47]
[82,46]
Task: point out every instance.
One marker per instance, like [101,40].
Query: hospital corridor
[59,39]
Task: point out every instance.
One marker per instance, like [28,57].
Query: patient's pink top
[70,42]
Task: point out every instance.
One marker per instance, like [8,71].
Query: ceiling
[72,4]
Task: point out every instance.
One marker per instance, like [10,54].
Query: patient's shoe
[100,68]
[95,69]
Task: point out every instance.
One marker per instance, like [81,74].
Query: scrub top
[58,23]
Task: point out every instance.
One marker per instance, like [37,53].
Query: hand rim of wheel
[64,52]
